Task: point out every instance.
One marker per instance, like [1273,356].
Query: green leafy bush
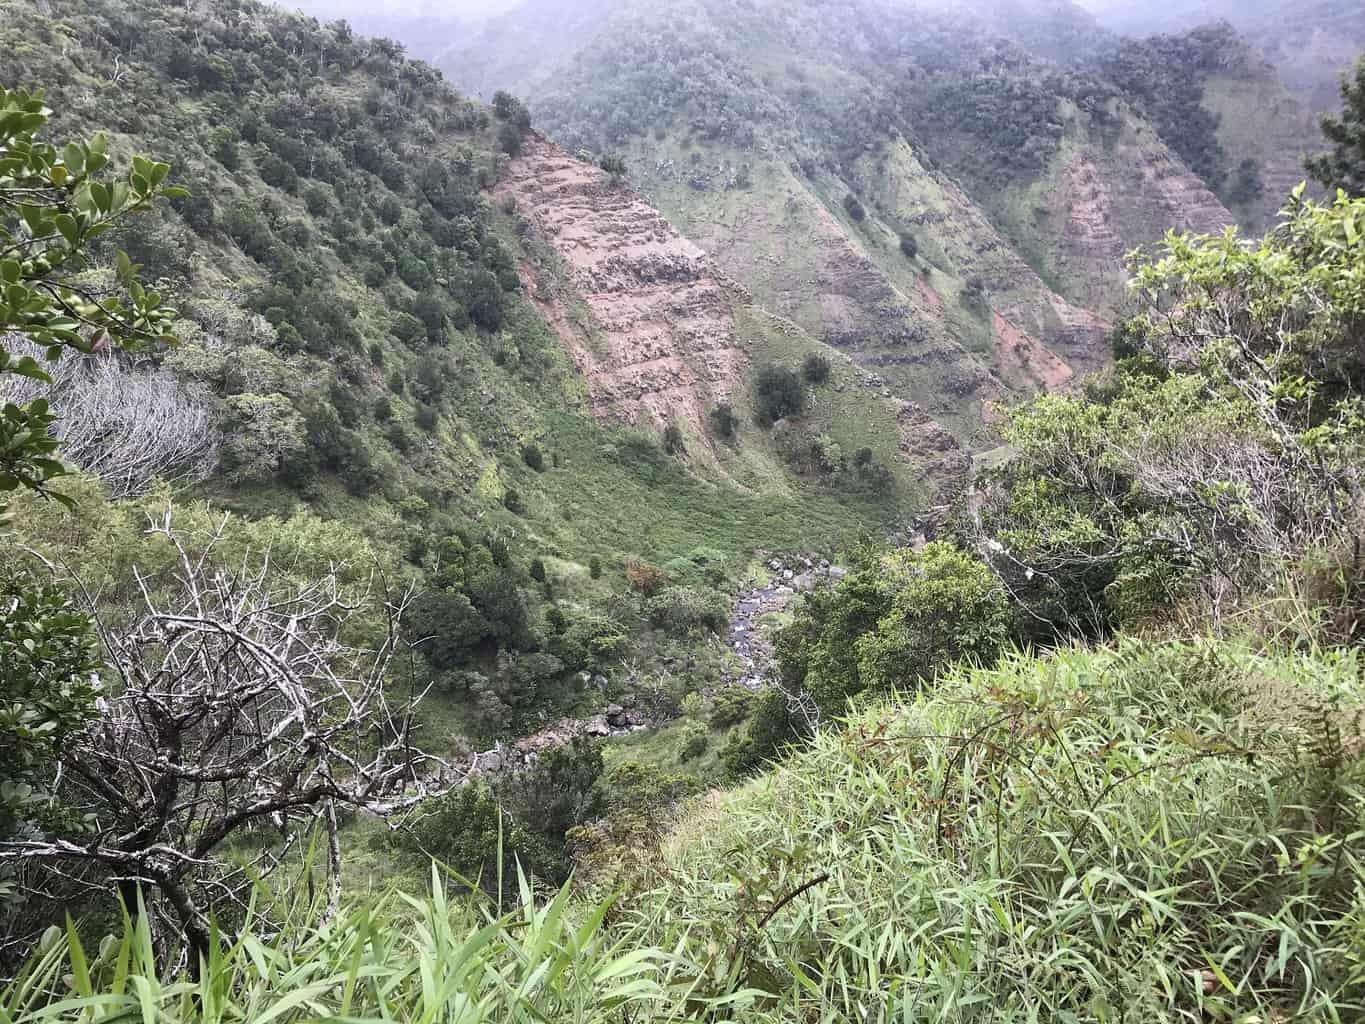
[894,623]
[685,611]
[723,421]
[778,394]
[815,368]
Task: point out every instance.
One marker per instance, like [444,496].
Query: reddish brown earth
[1098,212]
[662,345]
[1023,356]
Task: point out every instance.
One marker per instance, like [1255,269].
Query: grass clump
[1149,831]
[1153,832]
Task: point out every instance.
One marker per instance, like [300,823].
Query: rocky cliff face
[661,334]
[658,341]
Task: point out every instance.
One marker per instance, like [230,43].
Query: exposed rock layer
[661,344]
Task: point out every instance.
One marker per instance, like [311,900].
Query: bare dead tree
[238,708]
[126,425]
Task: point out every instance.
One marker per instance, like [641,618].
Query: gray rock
[490,762]
[597,727]
[787,574]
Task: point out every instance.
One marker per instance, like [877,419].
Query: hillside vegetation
[969,179]
[362,410]
[438,591]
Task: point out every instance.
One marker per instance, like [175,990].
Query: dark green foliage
[723,421]
[909,247]
[673,440]
[537,570]
[427,417]
[772,728]
[815,368]
[778,394]
[854,207]
[507,107]
[562,790]
[533,457]
[684,611]
[974,296]
[225,149]
[509,139]
[614,164]
[1246,185]
[595,567]
[696,742]
[645,789]
[48,665]
[1165,75]
[1344,166]
[445,626]
[731,706]
[893,623]
[590,642]
[511,500]
[466,830]
[481,297]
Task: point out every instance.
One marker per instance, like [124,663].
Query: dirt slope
[659,343]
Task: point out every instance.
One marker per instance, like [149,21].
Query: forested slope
[391,377]
[969,179]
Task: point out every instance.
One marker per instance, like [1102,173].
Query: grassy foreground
[1146,832]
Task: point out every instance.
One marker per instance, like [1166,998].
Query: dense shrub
[778,393]
[894,623]
[815,368]
[731,706]
[673,441]
[589,642]
[684,610]
[723,421]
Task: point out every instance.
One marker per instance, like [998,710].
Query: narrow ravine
[788,579]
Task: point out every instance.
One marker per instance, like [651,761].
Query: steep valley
[961,268]
[750,511]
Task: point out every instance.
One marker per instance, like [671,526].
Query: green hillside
[821,518]
[969,180]
[362,384]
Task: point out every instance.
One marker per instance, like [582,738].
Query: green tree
[815,368]
[48,665]
[54,202]
[892,623]
[779,393]
[507,107]
[1344,166]
[943,605]
[723,420]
